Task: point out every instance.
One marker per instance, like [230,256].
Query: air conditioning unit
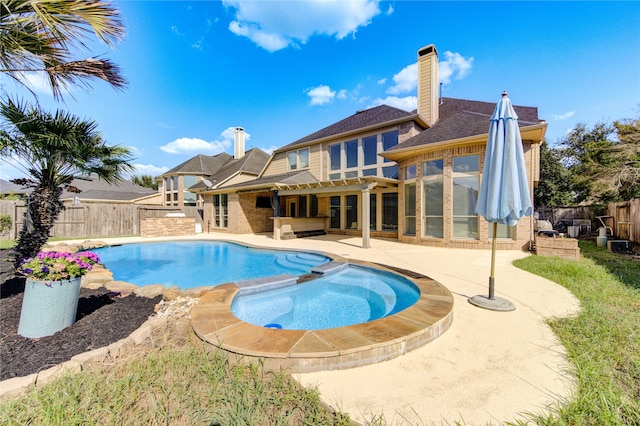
[619,246]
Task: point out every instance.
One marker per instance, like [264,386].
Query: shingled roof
[252,162]
[291,178]
[96,189]
[376,116]
[462,118]
[201,165]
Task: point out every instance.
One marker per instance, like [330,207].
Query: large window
[220,210]
[351,213]
[389,139]
[370,150]
[465,195]
[433,198]
[410,209]
[359,157]
[334,212]
[390,211]
[373,212]
[298,159]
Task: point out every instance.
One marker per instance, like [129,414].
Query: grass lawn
[603,341]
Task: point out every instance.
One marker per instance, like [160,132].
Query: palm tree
[39,36]
[53,150]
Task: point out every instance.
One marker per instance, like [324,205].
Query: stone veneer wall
[167,226]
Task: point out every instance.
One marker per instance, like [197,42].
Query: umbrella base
[495,304]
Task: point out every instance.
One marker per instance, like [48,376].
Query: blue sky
[284,69]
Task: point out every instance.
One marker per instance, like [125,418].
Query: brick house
[381,172]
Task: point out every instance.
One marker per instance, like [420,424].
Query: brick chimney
[238,143]
[428,99]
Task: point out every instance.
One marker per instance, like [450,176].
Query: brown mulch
[103,318]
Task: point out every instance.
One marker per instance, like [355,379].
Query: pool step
[258,285]
[297,262]
[329,267]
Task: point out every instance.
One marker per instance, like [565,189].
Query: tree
[586,151]
[554,188]
[52,151]
[604,162]
[40,35]
[147,181]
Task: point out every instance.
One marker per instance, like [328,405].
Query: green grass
[185,386]
[603,340]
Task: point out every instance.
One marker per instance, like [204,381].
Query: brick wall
[566,248]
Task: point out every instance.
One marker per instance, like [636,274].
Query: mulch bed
[103,318]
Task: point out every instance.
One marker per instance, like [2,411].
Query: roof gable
[252,162]
[360,120]
[461,118]
[201,164]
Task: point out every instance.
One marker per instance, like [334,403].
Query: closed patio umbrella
[504,192]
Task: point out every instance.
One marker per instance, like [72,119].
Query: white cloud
[405,81]
[342,94]
[200,146]
[407,103]
[149,169]
[269,150]
[565,116]
[454,66]
[277,25]
[321,95]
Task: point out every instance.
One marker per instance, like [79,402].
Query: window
[432,183]
[334,212]
[351,214]
[390,211]
[466,177]
[314,206]
[410,172]
[410,209]
[504,231]
[370,150]
[190,199]
[390,172]
[334,157]
[263,203]
[351,152]
[298,159]
[189,181]
[389,139]
[302,206]
[373,211]
[220,210]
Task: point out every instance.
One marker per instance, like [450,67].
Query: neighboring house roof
[373,117]
[7,187]
[95,189]
[251,163]
[201,165]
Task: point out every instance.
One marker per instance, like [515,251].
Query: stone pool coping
[304,351]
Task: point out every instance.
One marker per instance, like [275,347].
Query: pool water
[351,296]
[201,263]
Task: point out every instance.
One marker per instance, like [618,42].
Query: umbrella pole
[492,277]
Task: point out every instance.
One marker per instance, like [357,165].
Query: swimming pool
[353,295]
[191,264]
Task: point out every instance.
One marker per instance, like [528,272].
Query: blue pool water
[201,263]
[351,296]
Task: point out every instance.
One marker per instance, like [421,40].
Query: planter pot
[48,307]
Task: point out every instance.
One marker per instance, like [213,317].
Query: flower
[57,266]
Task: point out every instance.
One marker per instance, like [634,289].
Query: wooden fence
[624,219]
[96,219]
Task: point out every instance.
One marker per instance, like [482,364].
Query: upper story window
[359,157]
[298,159]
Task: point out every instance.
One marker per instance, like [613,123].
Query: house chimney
[238,143]
[428,84]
